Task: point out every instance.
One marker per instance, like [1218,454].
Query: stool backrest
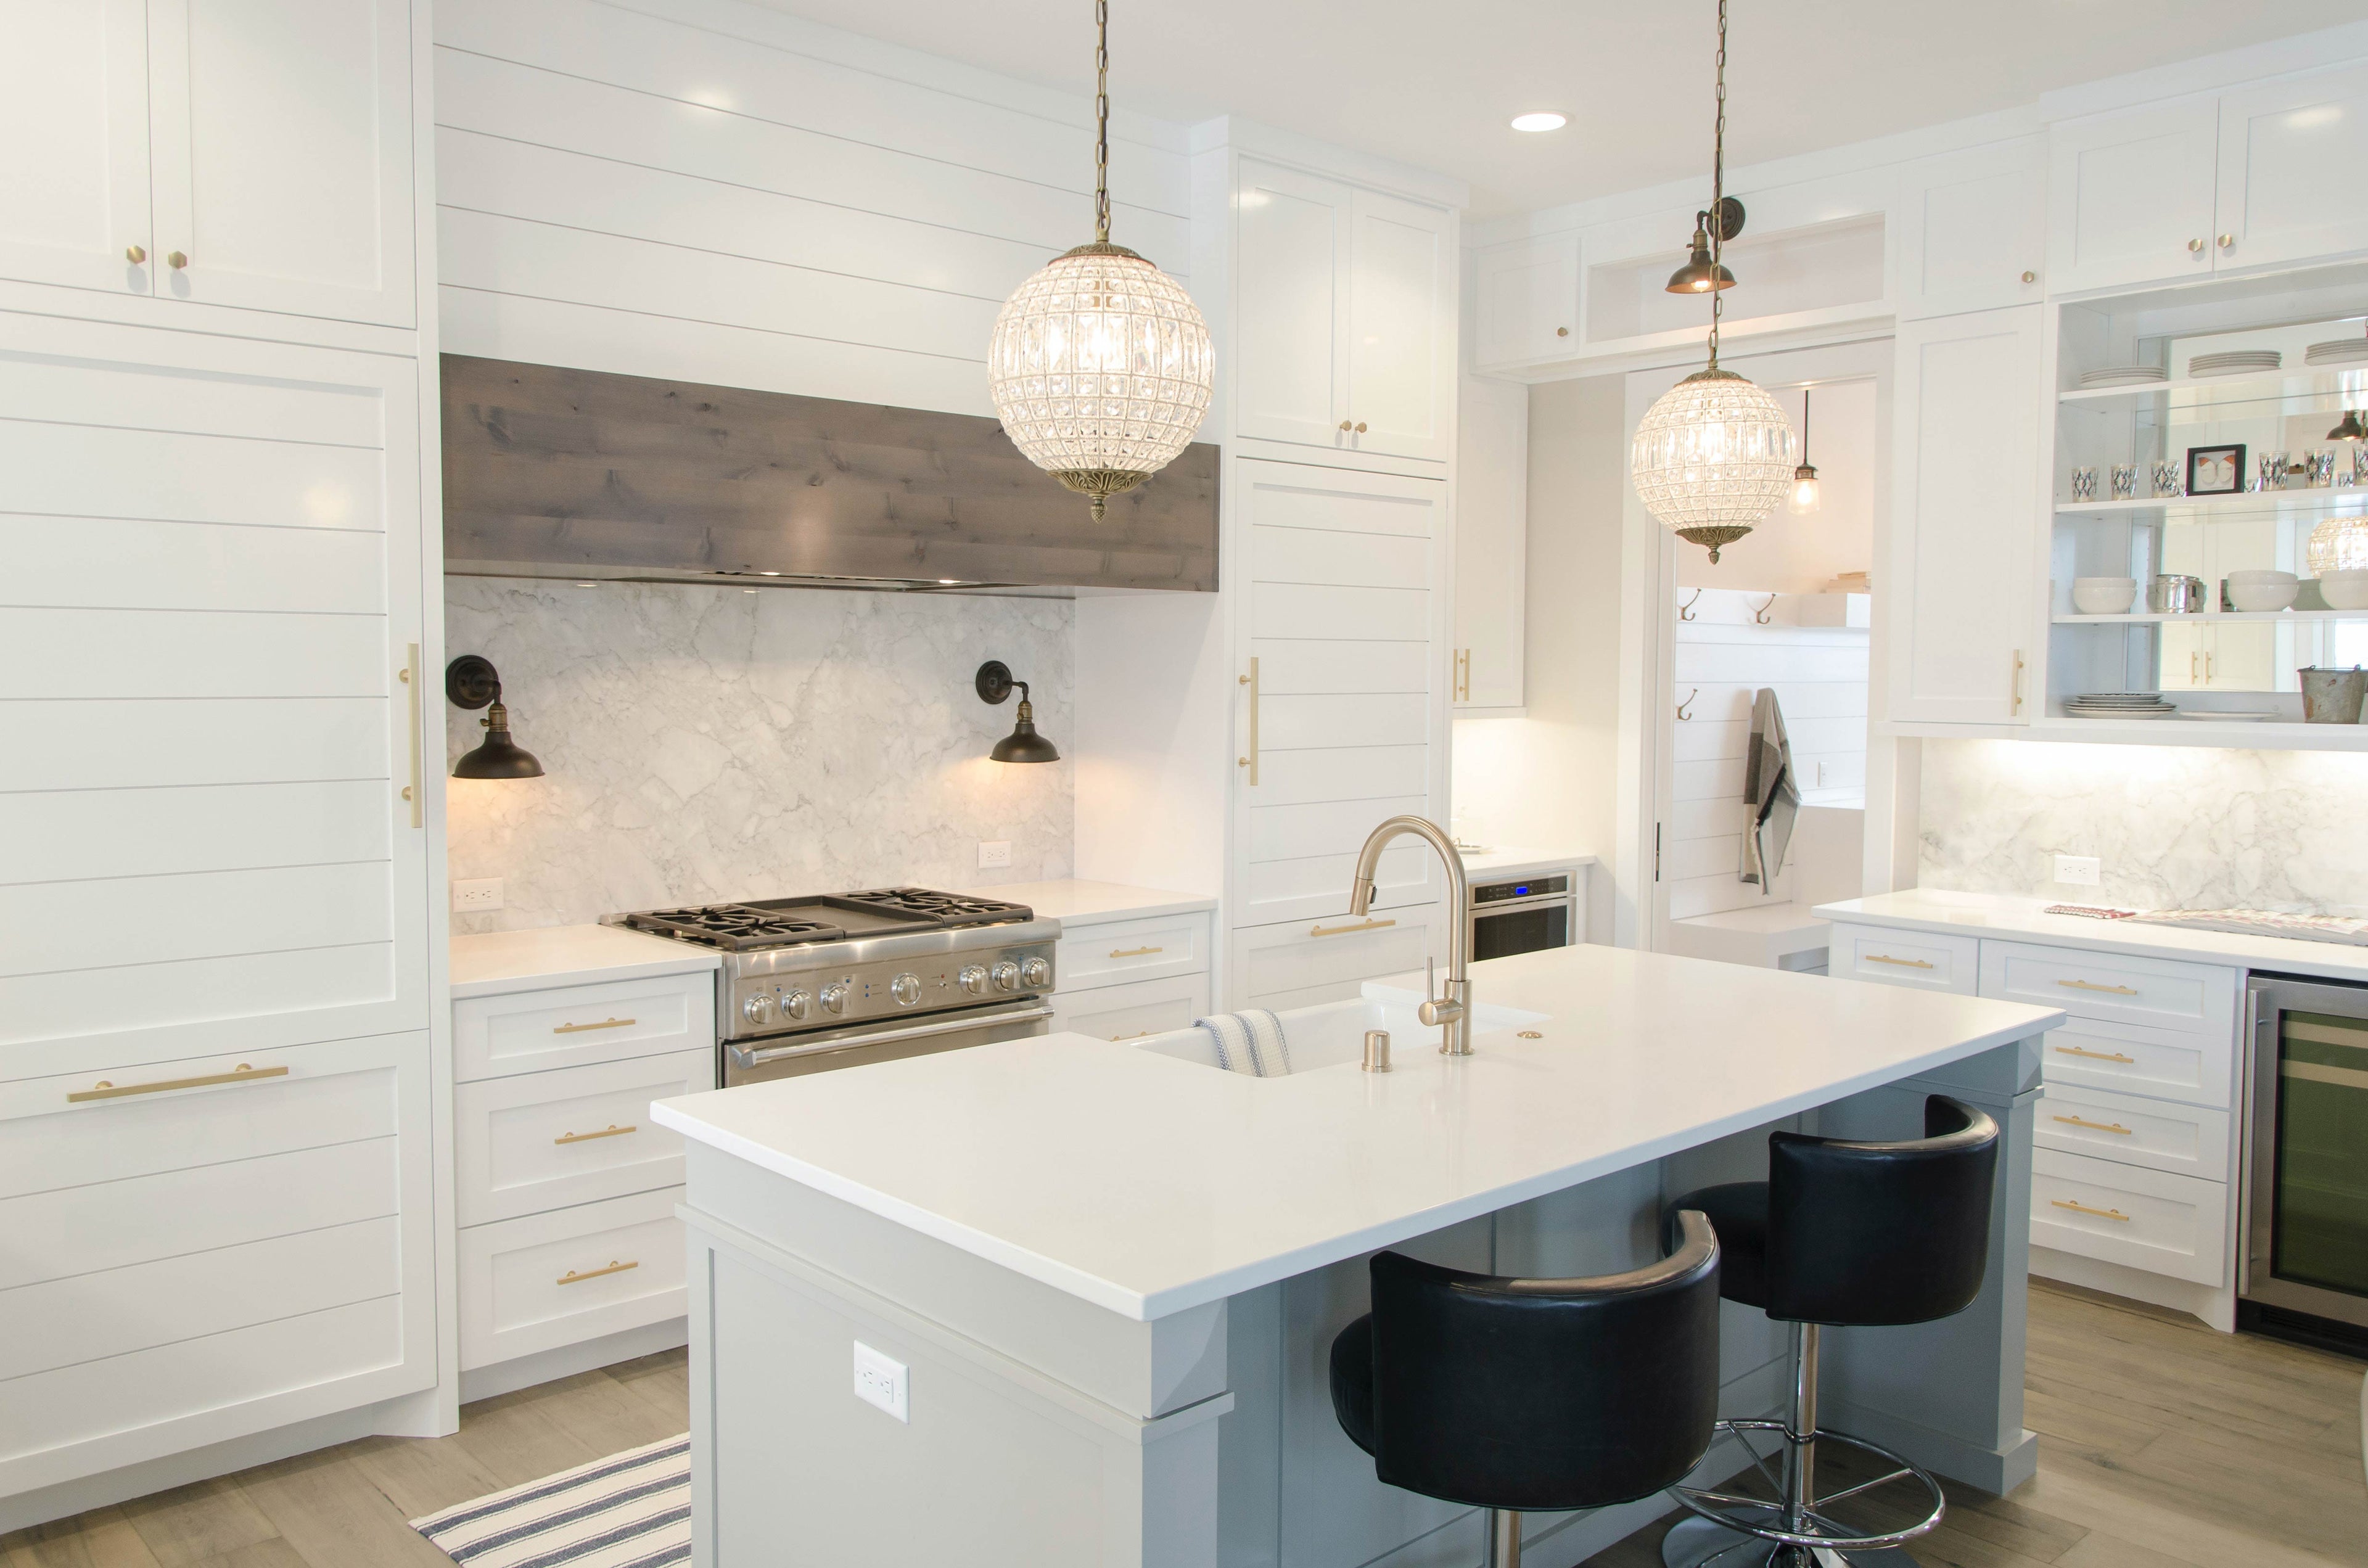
[1881,1233]
[1545,1394]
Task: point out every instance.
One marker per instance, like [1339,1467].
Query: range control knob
[796,1003]
[1007,976]
[973,979]
[1034,973]
[834,996]
[906,989]
[760,1008]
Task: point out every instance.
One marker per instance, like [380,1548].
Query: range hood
[588,476]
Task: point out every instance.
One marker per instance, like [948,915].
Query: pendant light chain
[1101,115]
[1718,186]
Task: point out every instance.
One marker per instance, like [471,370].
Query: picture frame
[2216,471]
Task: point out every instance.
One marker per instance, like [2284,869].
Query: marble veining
[706,743]
[2188,828]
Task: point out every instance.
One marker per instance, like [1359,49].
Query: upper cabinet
[1525,301]
[1346,306]
[2279,142]
[1972,232]
[158,149]
[1492,492]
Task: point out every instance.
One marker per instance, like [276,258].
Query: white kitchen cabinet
[1973,229]
[1492,527]
[1525,301]
[1131,1011]
[73,143]
[2279,143]
[1401,327]
[2130,195]
[570,1275]
[1305,963]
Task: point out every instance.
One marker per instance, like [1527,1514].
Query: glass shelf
[2330,388]
[2147,618]
[2325,500]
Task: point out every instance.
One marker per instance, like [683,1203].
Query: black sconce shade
[470,682]
[994,684]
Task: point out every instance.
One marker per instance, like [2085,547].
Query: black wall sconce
[1023,744]
[470,682]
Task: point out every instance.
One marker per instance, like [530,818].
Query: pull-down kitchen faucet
[1451,1011]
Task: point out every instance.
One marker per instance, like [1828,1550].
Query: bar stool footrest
[1767,1521]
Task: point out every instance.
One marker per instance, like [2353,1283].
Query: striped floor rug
[630,1510]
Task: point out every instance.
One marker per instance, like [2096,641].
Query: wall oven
[2307,1203]
[1520,914]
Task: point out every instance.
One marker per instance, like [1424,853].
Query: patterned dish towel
[1249,1042]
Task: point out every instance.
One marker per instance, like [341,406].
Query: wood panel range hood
[581,474]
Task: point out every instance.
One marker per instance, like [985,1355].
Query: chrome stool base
[1732,1531]
[1698,1543]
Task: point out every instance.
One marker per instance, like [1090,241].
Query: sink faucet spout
[1450,1010]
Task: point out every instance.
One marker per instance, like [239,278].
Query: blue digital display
[1522,890]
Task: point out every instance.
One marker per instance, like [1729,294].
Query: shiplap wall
[714,192]
[1723,657]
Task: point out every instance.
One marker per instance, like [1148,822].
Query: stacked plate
[2337,351]
[2127,375]
[2119,705]
[2235,361]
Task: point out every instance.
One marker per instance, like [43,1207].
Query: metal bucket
[2333,697]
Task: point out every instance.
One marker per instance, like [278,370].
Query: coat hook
[1759,616]
[1686,611]
[1689,702]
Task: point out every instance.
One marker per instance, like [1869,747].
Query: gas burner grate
[943,908]
[735,926]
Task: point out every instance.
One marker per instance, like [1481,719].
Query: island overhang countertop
[1147,1185]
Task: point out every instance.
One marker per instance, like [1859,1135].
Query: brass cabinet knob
[135,255]
[1344,424]
[2030,277]
[2195,247]
[178,259]
[1361,427]
[2226,241]
[1562,332]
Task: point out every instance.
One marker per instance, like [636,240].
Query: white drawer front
[1930,961]
[1306,962]
[2163,1135]
[2142,1219]
[1128,1012]
[574,1273]
[2163,1064]
[2158,992]
[1090,956]
[532,1032]
[543,1141]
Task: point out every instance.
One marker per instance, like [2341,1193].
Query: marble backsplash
[2189,827]
[702,744]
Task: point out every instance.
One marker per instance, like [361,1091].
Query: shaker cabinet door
[1973,235]
[1291,369]
[2277,142]
[1401,327]
[2130,195]
[1525,301]
[1491,545]
[74,144]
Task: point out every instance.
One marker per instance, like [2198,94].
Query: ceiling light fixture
[1714,455]
[1100,365]
[1803,500]
[994,684]
[1545,120]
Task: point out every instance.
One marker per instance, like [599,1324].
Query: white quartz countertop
[1095,901]
[495,962]
[1149,1185]
[1513,861]
[1998,914]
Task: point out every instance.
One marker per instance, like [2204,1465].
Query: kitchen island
[1064,1302]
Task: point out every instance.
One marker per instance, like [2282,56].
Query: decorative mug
[2125,481]
[2168,479]
[2084,484]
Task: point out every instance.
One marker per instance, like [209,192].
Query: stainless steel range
[809,984]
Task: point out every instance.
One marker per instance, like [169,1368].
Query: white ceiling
[1433,83]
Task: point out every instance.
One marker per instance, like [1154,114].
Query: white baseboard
[566,1361]
[2215,1306]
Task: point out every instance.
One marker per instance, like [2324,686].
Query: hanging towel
[1249,1042]
[1770,791]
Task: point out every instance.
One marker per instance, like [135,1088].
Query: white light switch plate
[881,1381]
[478,896]
[993,852]
[2081,870]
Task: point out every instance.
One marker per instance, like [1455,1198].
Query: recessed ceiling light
[1546,120]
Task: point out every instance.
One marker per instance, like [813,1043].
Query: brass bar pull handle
[2017,680]
[2091,985]
[1903,964]
[242,1074]
[1343,930]
[409,676]
[611,1130]
[2096,1055]
[1251,761]
[572,1277]
[603,1024]
[1134,953]
[2096,1126]
[2114,1214]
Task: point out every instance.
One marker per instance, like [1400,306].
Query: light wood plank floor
[2162,1445]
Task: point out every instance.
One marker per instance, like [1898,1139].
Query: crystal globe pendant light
[1100,365]
[1714,455]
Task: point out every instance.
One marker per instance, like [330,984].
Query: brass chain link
[1718,189]
[1101,118]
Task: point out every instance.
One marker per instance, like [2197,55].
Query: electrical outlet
[881,1381]
[2083,870]
[477,897]
[993,852]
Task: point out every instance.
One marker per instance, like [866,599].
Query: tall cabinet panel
[1492,507]
[1401,328]
[1291,364]
[73,143]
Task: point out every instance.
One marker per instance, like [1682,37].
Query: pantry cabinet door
[2277,144]
[1525,301]
[1965,518]
[283,168]
[73,143]
[1492,493]
[1401,327]
[2130,195]
[1973,233]
[1290,367]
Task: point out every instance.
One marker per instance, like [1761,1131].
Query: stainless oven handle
[748,1058]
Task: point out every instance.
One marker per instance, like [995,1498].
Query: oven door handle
[748,1058]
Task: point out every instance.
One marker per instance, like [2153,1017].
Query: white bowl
[2263,590]
[2104,595]
[2344,590]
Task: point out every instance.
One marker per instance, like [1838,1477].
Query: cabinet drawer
[2174,1225]
[541,1141]
[2158,993]
[1127,1012]
[2163,1135]
[529,1031]
[575,1274]
[1931,961]
[1092,956]
[1304,962]
[2164,1064]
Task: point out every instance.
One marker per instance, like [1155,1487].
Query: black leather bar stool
[1856,1234]
[1534,1395]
